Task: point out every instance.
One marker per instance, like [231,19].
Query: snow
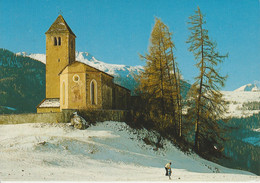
[256,130]
[108,151]
[85,57]
[250,87]
[37,56]
[112,69]
[50,103]
[236,100]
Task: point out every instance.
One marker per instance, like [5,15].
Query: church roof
[49,102]
[60,26]
[122,87]
[77,62]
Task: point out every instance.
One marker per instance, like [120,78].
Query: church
[74,85]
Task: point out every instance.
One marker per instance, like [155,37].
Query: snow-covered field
[108,151]
[236,100]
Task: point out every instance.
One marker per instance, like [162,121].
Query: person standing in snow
[167,166]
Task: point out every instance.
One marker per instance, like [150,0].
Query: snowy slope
[36,56]
[236,99]
[112,69]
[87,58]
[109,151]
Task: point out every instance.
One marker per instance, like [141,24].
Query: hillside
[108,151]
[22,83]
[27,74]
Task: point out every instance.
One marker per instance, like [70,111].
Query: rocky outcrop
[79,122]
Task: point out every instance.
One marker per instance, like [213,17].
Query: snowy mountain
[250,87]
[123,74]
[107,151]
[36,56]
[244,101]
[85,57]
[241,103]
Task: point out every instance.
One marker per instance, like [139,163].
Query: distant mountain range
[250,87]
[24,76]
[85,57]
[123,74]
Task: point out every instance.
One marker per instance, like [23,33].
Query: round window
[76,78]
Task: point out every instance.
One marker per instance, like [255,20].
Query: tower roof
[60,26]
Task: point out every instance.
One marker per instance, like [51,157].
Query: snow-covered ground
[108,151]
[236,100]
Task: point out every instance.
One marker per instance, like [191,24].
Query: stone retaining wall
[105,115]
[65,115]
[31,118]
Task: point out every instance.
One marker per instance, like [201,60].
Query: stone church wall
[107,91]
[76,90]
[99,115]
[121,97]
[48,109]
[95,77]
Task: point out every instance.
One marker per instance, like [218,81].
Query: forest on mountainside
[22,83]
[242,146]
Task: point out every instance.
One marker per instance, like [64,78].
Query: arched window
[59,41]
[93,92]
[55,41]
[63,93]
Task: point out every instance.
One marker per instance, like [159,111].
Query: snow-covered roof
[50,102]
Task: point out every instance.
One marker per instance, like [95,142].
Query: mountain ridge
[119,70]
[124,75]
[87,58]
[249,87]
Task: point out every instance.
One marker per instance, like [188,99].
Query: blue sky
[116,31]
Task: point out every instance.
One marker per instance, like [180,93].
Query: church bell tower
[60,51]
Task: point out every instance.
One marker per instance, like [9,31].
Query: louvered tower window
[55,41]
[59,41]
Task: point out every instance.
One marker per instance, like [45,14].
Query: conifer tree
[158,82]
[205,92]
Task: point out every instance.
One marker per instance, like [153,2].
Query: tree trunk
[197,140]
[161,79]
